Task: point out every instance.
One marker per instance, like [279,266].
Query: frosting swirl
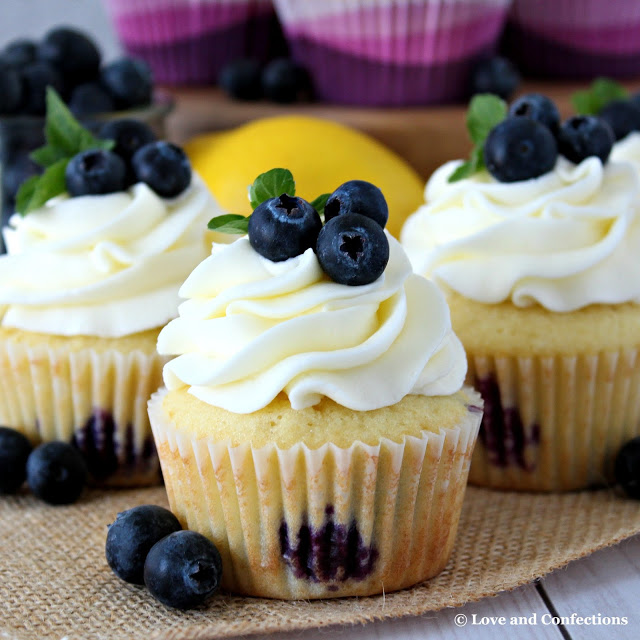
[252,328]
[565,240]
[627,150]
[108,265]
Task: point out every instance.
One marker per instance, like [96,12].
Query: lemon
[321,155]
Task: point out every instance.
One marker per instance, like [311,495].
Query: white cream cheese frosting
[251,329]
[107,265]
[565,240]
[627,150]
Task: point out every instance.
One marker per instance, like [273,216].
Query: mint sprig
[602,91]
[271,184]
[485,111]
[66,137]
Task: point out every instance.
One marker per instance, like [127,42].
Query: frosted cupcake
[304,419]
[86,285]
[544,290]
[392,52]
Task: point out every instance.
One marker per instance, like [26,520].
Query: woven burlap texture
[55,583]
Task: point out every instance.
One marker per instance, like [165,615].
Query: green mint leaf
[230,223]
[601,92]
[64,133]
[486,110]
[319,203]
[38,190]
[467,169]
[47,155]
[271,184]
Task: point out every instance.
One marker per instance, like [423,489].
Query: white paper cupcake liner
[554,423]
[327,522]
[93,398]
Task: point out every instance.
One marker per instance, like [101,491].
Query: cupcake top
[255,326]
[628,149]
[105,236]
[565,238]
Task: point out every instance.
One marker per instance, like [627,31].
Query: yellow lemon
[321,155]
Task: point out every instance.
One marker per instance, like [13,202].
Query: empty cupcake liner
[95,399]
[392,52]
[554,423]
[317,523]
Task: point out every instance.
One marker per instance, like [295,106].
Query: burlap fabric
[55,583]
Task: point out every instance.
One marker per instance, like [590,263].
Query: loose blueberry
[285,81]
[358,196]
[519,149]
[352,249]
[73,53]
[131,537]
[538,108]
[36,77]
[14,452]
[283,227]
[19,53]
[129,81]
[584,136]
[623,116]
[10,90]
[94,172]
[241,79]
[56,473]
[90,98]
[627,468]
[183,570]
[495,75]
[164,167]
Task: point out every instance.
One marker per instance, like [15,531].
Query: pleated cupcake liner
[95,399]
[392,52]
[190,42]
[554,423]
[575,38]
[316,523]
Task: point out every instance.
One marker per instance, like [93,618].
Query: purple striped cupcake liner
[392,52]
[189,42]
[575,38]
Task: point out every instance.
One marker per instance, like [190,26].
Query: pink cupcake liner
[575,38]
[188,42]
[391,52]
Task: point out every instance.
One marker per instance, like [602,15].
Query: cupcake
[317,432]
[391,53]
[189,42]
[86,285]
[543,284]
[575,39]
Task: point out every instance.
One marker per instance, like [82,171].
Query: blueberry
[90,98]
[283,227]
[36,77]
[19,53]
[352,249]
[358,196]
[584,136]
[14,452]
[131,537]
[56,473]
[129,81]
[285,81]
[164,167]
[519,149]
[183,570]
[538,108]
[10,90]
[623,116]
[72,53]
[241,79]
[495,75]
[94,172]
[128,134]
[627,468]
